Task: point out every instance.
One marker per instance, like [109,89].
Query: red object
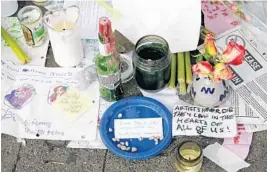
[203,67]
[106,35]
[234,54]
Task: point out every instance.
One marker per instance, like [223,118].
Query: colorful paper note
[73,103]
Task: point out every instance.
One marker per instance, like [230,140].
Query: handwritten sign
[211,122]
[136,128]
[73,103]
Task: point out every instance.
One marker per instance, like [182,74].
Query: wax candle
[64,36]
[189,157]
[30,18]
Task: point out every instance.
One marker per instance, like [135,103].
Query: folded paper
[224,158]
[176,21]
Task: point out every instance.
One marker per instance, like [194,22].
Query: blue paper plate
[136,107]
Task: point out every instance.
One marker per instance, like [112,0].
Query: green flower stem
[181,73]
[173,71]
[188,70]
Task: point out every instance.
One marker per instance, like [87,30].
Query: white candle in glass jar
[64,36]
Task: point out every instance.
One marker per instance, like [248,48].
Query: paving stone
[9,153]
[257,156]
[164,162]
[42,156]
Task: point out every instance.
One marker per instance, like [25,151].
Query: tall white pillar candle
[64,36]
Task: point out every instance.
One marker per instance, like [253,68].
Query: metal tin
[30,18]
[189,157]
[152,63]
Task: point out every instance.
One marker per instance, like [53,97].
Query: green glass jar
[189,157]
[152,63]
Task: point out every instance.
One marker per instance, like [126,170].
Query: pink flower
[203,68]
[222,72]
[234,54]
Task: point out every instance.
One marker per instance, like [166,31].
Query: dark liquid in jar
[147,78]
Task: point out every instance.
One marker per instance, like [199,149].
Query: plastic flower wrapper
[86,77]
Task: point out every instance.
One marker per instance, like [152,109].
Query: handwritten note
[42,103]
[136,128]
[73,103]
[211,122]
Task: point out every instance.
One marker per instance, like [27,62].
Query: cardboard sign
[211,122]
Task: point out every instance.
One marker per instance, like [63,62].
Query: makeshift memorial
[136,128]
[31,20]
[64,36]
[209,85]
[108,63]
[63,109]
[10,52]
[189,157]
[152,63]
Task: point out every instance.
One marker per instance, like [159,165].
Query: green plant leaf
[199,59]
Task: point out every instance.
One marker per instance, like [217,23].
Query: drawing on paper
[73,103]
[56,92]
[18,97]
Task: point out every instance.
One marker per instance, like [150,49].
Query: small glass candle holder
[30,18]
[189,157]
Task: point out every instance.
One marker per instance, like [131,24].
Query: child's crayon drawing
[56,92]
[18,97]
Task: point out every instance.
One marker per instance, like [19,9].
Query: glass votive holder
[189,157]
[30,18]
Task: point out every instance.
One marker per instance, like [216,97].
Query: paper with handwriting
[210,122]
[46,103]
[136,128]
